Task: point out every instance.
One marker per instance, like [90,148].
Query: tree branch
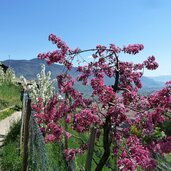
[106,144]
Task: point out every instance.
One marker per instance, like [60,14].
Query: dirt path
[5,124]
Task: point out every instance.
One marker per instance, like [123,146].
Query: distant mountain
[30,68]
[162,78]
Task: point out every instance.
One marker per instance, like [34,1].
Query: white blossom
[41,87]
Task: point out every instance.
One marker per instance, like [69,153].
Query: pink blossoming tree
[113,138]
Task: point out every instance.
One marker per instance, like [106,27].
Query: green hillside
[9,97]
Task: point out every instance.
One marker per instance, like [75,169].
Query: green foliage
[9,95]
[163,163]
[166,127]
[3,104]
[6,113]
[158,133]
[168,158]
[56,159]
[135,131]
[14,132]
[10,159]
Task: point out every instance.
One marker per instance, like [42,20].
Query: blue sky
[25,26]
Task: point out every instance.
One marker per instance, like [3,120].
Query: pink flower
[50,138]
[84,120]
[68,119]
[150,63]
[68,135]
[71,153]
[133,49]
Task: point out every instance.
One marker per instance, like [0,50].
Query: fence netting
[38,153]
[45,157]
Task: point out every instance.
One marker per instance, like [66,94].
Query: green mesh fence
[38,153]
[45,157]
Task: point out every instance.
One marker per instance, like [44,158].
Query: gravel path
[5,124]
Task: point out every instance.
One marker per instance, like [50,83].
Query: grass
[168,158]
[9,95]
[9,153]
[11,161]
[3,104]
[55,157]
[7,112]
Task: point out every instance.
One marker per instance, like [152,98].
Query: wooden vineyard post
[22,121]
[90,149]
[26,135]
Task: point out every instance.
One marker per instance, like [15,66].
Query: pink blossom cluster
[161,98]
[84,120]
[114,48]
[133,49]
[71,153]
[165,145]
[137,155]
[150,63]
[130,78]
[168,82]
[54,132]
[66,85]
[59,43]
[153,109]
[117,111]
[105,93]
[58,56]
[100,49]
[48,119]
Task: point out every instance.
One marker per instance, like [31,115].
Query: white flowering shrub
[41,87]
[7,77]
[2,75]
[10,76]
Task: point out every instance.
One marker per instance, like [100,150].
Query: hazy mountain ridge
[30,68]
[162,78]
